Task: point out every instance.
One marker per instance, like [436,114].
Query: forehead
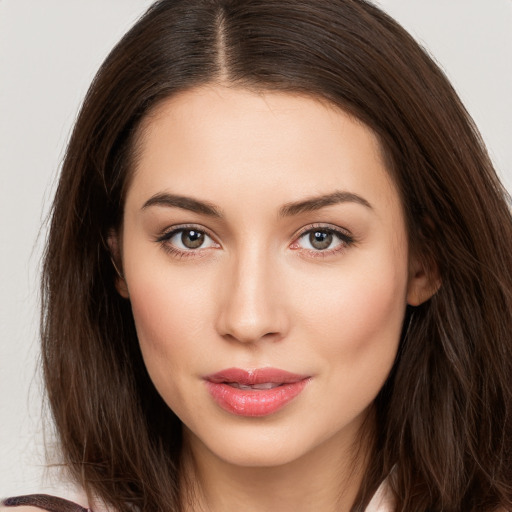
[221,141]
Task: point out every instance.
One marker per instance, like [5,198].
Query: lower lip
[254,403]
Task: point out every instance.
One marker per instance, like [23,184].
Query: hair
[444,436]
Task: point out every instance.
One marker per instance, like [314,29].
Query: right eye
[188,239]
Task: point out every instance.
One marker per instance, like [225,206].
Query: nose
[251,304]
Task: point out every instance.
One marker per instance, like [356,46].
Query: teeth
[266,385]
[263,385]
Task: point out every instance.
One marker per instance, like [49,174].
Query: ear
[424,281]
[114,246]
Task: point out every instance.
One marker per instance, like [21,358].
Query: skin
[257,294]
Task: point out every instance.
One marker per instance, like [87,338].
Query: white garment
[382,500]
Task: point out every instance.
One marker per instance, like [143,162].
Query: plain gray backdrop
[49,52]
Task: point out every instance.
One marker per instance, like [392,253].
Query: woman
[277,276]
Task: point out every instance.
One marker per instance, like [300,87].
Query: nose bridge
[251,308]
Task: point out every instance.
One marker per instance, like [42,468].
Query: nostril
[251,334]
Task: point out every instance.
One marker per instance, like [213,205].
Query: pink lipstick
[254,392]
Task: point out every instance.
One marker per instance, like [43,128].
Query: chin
[258,444]
[264,453]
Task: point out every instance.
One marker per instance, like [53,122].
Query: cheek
[357,324]
[356,335]
[170,319]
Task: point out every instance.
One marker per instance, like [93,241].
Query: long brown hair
[444,436]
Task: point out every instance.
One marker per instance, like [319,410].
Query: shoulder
[38,502]
[19,509]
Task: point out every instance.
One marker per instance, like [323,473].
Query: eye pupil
[192,239]
[320,239]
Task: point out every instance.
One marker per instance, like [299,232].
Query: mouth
[263,385]
[254,393]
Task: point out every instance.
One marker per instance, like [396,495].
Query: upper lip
[255,376]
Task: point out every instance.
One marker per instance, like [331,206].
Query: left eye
[319,239]
[189,239]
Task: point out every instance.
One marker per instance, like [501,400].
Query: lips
[254,392]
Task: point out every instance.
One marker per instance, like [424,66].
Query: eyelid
[165,236]
[345,233]
[169,232]
[345,237]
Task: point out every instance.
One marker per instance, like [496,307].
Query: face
[265,257]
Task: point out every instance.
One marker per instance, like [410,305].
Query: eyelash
[165,238]
[345,239]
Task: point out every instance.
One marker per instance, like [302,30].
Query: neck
[327,479]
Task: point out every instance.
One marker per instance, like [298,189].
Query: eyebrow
[287,210]
[316,203]
[183,202]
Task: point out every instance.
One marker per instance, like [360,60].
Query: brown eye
[320,240]
[192,239]
[187,240]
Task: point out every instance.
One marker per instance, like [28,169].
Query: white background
[49,52]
